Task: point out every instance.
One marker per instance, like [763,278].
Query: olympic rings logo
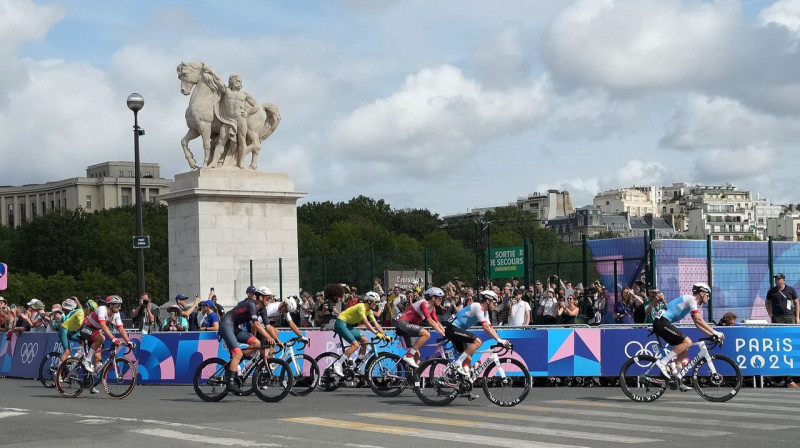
[28,352]
[635,348]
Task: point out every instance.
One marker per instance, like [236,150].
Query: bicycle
[388,376]
[305,371]
[50,363]
[117,373]
[505,381]
[715,377]
[329,381]
[271,382]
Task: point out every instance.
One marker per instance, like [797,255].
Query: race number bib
[660,314]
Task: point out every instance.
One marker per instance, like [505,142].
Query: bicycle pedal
[471,397]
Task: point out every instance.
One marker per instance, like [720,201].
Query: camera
[212,289]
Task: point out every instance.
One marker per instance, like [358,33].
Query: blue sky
[446,105]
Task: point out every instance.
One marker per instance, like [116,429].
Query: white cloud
[633,45]
[438,115]
[502,61]
[635,172]
[785,13]
[724,166]
[703,122]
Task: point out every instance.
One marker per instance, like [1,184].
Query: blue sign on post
[141,242]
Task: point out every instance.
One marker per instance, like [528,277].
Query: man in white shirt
[520,312]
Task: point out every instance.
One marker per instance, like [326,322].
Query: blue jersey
[680,307]
[469,316]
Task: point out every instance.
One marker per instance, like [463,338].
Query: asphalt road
[172,416]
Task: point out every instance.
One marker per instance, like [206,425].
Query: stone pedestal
[220,220]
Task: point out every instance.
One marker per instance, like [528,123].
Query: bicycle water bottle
[673,368]
[684,363]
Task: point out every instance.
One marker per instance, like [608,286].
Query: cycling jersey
[356,313]
[245,311]
[100,315]
[274,310]
[469,316]
[680,307]
[74,319]
[418,312]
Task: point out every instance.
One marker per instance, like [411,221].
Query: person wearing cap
[35,316]
[783,308]
[210,316]
[175,321]
[781,302]
[146,315]
[653,305]
[185,311]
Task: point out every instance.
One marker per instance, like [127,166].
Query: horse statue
[204,120]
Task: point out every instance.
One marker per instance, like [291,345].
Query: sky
[447,106]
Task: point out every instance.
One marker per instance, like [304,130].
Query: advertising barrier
[171,358]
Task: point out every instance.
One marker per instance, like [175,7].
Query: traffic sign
[141,242]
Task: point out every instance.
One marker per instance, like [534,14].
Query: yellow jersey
[356,313]
[74,320]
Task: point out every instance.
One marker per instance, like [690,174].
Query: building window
[121,173]
[33,210]
[52,204]
[88,202]
[130,173]
[44,207]
[22,217]
[11,215]
[126,196]
[147,174]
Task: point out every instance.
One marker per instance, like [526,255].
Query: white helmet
[700,287]
[263,291]
[489,295]
[291,304]
[434,292]
[372,297]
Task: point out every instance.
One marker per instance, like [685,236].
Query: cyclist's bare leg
[423,337]
[236,358]
[682,350]
[97,343]
[350,350]
[64,355]
[274,333]
[363,350]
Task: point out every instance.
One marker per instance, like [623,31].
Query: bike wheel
[641,380]
[328,380]
[272,381]
[209,379]
[71,378]
[386,375]
[435,383]
[720,386]
[306,375]
[47,369]
[119,377]
[508,383]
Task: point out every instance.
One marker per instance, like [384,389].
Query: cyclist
[345,326]
[274,310]
[247,311]
[676,310]
[69,330]
[457,330]
[408,323]
[95,329]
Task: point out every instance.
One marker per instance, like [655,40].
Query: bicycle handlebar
[503,349]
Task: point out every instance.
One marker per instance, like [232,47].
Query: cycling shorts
[671,334]
[233,336]
[65,336]
[348,332]
[407,331]
[459,337]
[88,333]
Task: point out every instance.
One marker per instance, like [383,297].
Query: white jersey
[274,310]
[101,315]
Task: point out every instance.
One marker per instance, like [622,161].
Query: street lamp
[136,103]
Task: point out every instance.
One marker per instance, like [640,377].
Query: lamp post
[136,103]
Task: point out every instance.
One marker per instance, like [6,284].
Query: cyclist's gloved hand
[116,341]
[305,339]
[503,342]
[131,344]
[719,336]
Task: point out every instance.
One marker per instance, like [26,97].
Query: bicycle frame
[703,354]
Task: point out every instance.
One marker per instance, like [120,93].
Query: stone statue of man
[236,106]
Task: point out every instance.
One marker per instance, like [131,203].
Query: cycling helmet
[291,304]
[92,305]
[251,290]
[372,297]
[489,295]
[434,292]
[113,300]
[700,287]
[68,305]
[263,291]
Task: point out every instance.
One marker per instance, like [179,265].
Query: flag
[3,276]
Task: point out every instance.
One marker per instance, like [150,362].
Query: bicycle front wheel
[386,375]
[272,381]
[305,374]
[507,383]
[119,377]
[71,378]
[641,380]
[328,380]
[720,386]
[47,369]
[435,383]
[209,379]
